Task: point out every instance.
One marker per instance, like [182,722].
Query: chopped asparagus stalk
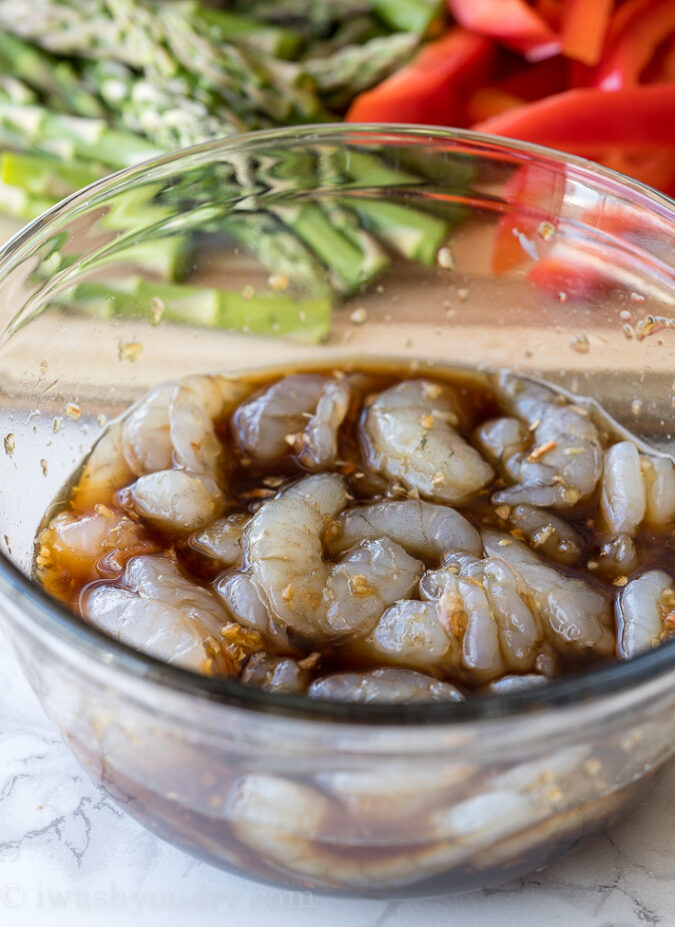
[408,15]
[351,256]
[279,250]
[19,204]
[415,234]
[358,67]
[46,176]
[54,77]
[37,128]
[258,313]
[274,40]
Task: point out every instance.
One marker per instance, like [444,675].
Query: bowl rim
[600,682]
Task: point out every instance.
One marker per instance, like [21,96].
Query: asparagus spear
[260,313]
[55,78]
[164,41]
[357,67]
[408,15]
[39,175]
[352,257]
[266,37]
[35,128]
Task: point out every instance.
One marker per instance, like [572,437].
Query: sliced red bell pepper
[533,195]
[551,11]
[584,28]
[534,81]
[571,279]
[591,120]
[638,29]
[433,87]
[490,101]
[511,22]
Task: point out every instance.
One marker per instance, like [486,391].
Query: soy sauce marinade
[545,542]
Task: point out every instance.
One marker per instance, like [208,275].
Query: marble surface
[68,855]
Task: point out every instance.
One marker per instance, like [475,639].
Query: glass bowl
[538,261]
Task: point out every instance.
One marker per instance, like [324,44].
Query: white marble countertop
[68,855]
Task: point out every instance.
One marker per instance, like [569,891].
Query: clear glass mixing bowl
[552,265]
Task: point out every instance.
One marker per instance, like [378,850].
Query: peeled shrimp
[553,536]
[509,684]
[175,500]
[275,674]
[515,800]
[87,547]
[192,495]
[304,593]
[408,434]
[646,610]
[475,621]
[105,471]
[560,464]
[222,539]
[635,488]
[240,595]
[160,612]
[196,405]
[389,685]
[658,475]
[425,530]
[146,432]
[284,550]
[305,409]
[576,616]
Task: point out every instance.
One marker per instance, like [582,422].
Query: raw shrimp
[105,471]
[222,539]
[560,464]
[174,500]
[275,674]
[576,616]
[146,432]
[646,611]
[623,500]
[241,597]
[300,830]
[304,593]
[515,800]
[658,475]
[368,579]
[509,684]
[198,402]
[84,548]
[425,530]
[635,488]
[396,790]
[284,550]
[304,410]
[157,610]
[390,685]
[547,533]
[189,497]
[408,434]
[475,622]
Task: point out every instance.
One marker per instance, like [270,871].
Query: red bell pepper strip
[642,27]
[433,87]
[534,195]
[584,28]
[551,11]
[534,81]
[490,101]
[591,120]
[567,278]
[511,22]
